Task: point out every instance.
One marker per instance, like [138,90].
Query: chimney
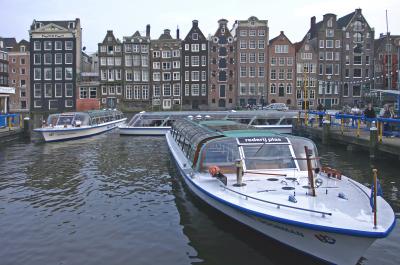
[312,24]
[148,30]
[282,33]
[177,33]
[195,23]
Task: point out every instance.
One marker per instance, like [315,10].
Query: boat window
[83,118]
[298,147]
[65,120]
[260,121]
[273,121]
[287,121]
[222,153]
[52,119]
[268,156]
[169,123]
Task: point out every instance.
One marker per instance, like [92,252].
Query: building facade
[19,76]
[111,71]
[195,69]
[282,71]
[5,90]
[222,89]
[306,74]
[251,37]
[88,85]
[136,58]
[55,51]
[166,81]
[386,61]
[357,58]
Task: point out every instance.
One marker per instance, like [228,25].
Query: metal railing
[278,204]
[357,123]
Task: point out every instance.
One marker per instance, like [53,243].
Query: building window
[329,43]
[289,74]
[103,90]
[128,92]
[357,37]
[58,73]
[37,58]
[252,71]
[119,90]
[58,45]
[261,44]
[68,73]
[273,60]
[329,69]
[167,90]
[37,91]
[356,91]
[48,75]
[58,58]
[58,90]
[273,74]
[166,54]
[281,74]
[281,48]
[69,103]
[321,43]
[68,90]
[37,73]
[252,44]
[273,89]
[261,57]
[111,90]
[176,76]
[243,33]
[68,45]
[252,57]
[48,45]
[330,33]
[337,43]
[243,44]
[145,92]
[47,58]
[37,46]
[357,73]
[195,61]
[195,76]
[261,71]
[156,91]
[68,58]
[243,71]
[357,59]
[289,89]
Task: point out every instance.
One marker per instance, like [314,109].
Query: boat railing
[279,205]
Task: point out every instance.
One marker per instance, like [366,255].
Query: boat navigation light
[190,117]
[198,117]
[207,116]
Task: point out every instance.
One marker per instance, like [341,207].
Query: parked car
[276,106]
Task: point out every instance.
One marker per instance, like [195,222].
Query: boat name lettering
[326,239]
[263,140]
[283,228]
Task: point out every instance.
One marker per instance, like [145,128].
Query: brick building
[195,69]
[282,54]
[251,38]
[222,91]
[111,71]
[166,70]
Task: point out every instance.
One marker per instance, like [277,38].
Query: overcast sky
[127,16]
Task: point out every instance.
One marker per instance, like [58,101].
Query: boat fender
[292,199]
[216,173]
[341,195]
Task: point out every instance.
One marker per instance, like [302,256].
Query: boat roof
[92,113]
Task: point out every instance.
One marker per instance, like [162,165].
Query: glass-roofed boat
[158,123]
[75,125]
[274,183]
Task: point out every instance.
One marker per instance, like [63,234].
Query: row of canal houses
[336,63]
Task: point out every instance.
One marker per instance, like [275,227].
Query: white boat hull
[331,247]
[156,131]
[59,134]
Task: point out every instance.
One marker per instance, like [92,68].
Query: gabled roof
[136,34]
[282,34]
[344,21]
[195,29]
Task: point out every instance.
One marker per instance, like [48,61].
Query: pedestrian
[320,109]
[369,114]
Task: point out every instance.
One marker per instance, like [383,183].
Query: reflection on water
[119,200]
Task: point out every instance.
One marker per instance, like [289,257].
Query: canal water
[119,200]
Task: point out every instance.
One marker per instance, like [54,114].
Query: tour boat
[159,123]
[75,125]
[274,184]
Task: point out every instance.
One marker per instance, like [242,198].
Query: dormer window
[330,23]
[22,49]
[38,25]
[71,25]
[195,36]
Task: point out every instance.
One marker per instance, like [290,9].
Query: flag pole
[375,190]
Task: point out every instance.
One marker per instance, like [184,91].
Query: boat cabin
[251,118]
[81,119]
[221,143]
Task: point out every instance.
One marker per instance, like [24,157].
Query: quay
[13,127]
[352,131]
